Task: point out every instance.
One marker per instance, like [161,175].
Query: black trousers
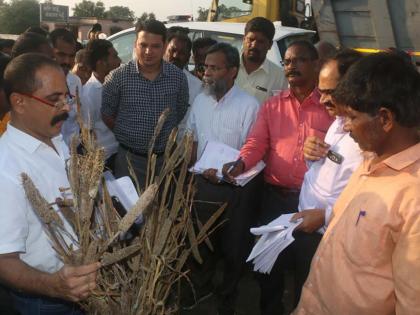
[232,241]
[296,258]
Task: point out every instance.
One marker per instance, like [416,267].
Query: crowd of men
[338,132]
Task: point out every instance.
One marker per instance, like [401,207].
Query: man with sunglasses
[283,123]
[36,88]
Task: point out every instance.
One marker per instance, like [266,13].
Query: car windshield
[124,45]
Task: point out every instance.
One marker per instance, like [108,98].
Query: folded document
[217,154]
[275,237]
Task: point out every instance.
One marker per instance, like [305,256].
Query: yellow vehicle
[366,25]
[295,13]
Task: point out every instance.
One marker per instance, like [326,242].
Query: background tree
[202,14]
[145,16]
[88,8]
[18,15]
[120,12]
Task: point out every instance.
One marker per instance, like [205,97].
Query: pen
[234,164]
[362,213]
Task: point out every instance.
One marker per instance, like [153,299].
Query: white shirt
[195,86]
[325,179]
[227,120]
[20,228]
[91,113]
[264,82]
[70,126]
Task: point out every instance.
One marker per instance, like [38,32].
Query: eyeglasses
[297,61]
[70,100]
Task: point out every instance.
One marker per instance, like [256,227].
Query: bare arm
[69,283]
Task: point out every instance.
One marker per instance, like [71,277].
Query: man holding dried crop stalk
[38,95]
[222,113]
[135,95]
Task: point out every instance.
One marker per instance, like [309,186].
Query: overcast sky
[162,8]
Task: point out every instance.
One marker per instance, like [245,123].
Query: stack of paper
[275,237]
[124,190]
[217,154]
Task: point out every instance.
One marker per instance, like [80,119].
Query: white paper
[275,237]
[217,154]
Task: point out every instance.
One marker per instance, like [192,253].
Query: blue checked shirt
[136,103]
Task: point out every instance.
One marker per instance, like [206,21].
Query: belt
[138,153]
[283,190]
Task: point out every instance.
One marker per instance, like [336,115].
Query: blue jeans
[32,305]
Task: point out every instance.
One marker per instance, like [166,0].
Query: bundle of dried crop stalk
[137,276]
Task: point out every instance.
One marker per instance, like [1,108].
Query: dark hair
[4,60]
[37,29]
[262,25]
[202,42]
[20,73]
[63,34]
[345,58]
[96,27]
[309,47]
[6,43]
[177,29]
[96,50]
[182,37]
[28,42]
[230,52]
[151,26]
[382,80]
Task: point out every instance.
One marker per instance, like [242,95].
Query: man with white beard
[222,113]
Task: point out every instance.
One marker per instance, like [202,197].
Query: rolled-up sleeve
[258,140]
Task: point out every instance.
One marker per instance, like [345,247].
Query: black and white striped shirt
[136,103]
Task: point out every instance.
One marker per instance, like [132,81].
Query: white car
[231,33]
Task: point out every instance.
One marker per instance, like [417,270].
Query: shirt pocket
[367,239]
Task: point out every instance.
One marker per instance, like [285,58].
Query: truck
[366,25]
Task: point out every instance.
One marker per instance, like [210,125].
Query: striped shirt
[227,120]
[136,103]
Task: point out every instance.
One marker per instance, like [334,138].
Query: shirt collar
[94,81]
[314,96]
[26,141]
[340,124]
[225,97]
[163,69]
[265,66]
[404,158]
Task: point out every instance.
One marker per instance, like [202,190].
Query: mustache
[61,117]
[293,72]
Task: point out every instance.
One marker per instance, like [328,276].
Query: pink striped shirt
[278,135]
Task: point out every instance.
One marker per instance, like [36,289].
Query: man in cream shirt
[257,75]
